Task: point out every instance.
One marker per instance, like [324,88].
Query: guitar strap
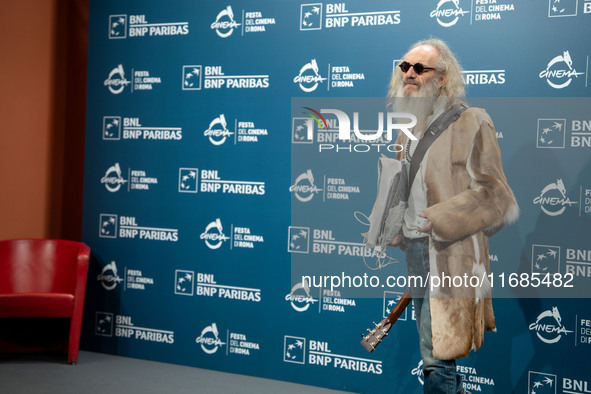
[435,130]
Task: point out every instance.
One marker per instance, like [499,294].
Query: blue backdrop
[205,201]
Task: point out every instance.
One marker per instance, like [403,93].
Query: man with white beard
[458,199]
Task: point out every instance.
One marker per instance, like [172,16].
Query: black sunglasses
[418,67]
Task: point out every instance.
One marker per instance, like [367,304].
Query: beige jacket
[468,200]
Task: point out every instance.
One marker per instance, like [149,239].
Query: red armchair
[45,278]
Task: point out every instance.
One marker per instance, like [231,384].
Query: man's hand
[427,227]
[396,241]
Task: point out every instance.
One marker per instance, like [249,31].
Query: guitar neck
[399,308]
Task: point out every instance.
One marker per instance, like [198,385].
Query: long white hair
[447,63]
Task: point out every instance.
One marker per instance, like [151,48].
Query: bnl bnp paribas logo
[123,26]
[562,8]
[448,12]
[560,72]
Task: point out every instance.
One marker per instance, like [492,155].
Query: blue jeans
[440,376]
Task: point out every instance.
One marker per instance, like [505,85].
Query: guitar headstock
[375,336]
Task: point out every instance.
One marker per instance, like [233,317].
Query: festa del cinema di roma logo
[548,326]
[116,81]
[560,72]
[224,23]
[448,12]
[309,77]
[553,199]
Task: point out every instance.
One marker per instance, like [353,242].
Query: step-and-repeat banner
[212,187]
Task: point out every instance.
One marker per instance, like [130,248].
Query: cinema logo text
[224,23]
[251,22]
[108,277]
[136,179]
[309,77]
[240,236]
[113,179]
[299,297]
[243,131]
[214,236]
[236,342]
[142,80]
[448,12]
[116,80]
[548,326]
[556,74]
[553,199]
[304,188]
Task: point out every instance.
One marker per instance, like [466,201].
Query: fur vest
[468,200]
